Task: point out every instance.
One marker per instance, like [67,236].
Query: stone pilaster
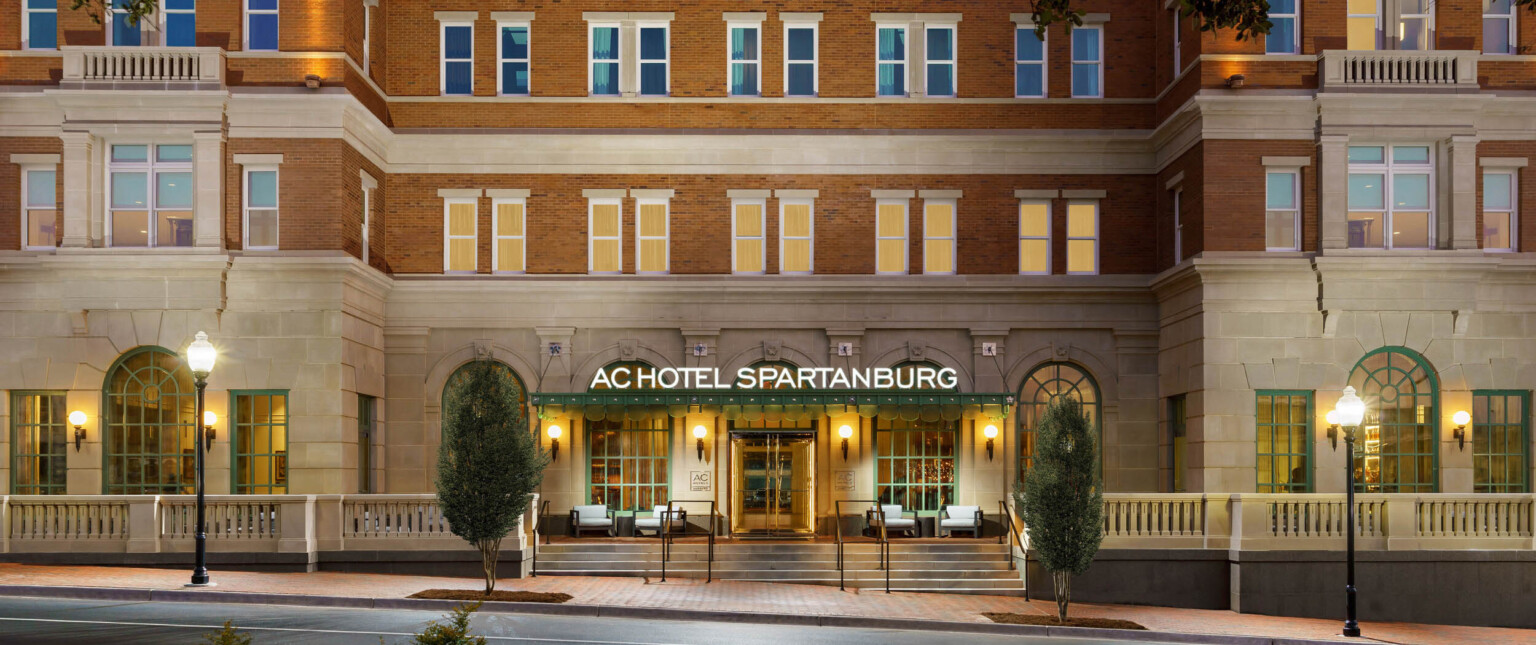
[77,188]
[1333,191]
[208,178]
[1462,152]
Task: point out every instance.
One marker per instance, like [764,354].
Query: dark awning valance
[789,404]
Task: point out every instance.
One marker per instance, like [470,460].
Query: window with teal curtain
[744,61]
[892,61]
[514,60]
[653,61]
[605,61]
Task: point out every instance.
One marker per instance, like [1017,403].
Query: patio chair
[893,520]
[960,518]
[679,519]
[594,517]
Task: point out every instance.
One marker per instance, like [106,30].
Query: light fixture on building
[1349,412]
[1461,419]
[554,442]
[1333,428]
[698,438]
[209,433]
[201,355]
[312,81]
[77,419]
[846,432]
[991,433]
[1236,80]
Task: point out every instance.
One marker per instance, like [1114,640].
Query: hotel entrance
[773,483]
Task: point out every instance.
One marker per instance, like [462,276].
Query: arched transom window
[1396,449]
[150,406]
[1041,387]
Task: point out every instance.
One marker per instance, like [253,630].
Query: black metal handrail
[668,536]
[538,527]
[1014,538]
[883,553]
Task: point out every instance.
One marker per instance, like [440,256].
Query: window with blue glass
[605,60]
[891,68]
[122,32]
[180,23]
[1282,38]
[653,60]
[1028,63]
[514,59]
[1087,62]
[746,60]
[151,195]
[941,60]
[40,24]
[800,60]
[261,25]
[458,63]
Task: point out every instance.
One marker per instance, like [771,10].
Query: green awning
[788,404]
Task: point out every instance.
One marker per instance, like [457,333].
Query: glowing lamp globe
[77,418]
[990,432]
[1332,417]
[553,431]
[209,418]
[1351,409]
[699,431]
[845,431]
[201,354]
[1461,418]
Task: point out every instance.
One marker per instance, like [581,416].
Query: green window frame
[1177,431]
[1043,385]
[39,443]
[149,407]
[915,463]
[1398,444]
[1500,436]
[629,463]
[366,429]
[259,443]
[1283,441]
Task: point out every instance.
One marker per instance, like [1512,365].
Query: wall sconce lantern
[1333,428]
[990,432]
[209,420]
[554,442]
[698,439]
[1461,419]
[77,419]
[312,81]
[1236,80]
[846,432]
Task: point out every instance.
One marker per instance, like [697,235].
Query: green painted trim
[586,448]
[1434,415]
[233,428]
[106,410]
[875,430]
[40,487]
[765,397]
[1525,439]
[1311,415]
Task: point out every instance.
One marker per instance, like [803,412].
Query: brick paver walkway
[757,597]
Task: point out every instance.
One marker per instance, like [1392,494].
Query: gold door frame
[782,500]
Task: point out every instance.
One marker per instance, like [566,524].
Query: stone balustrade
[1348,70]
[129,65]
[236,523]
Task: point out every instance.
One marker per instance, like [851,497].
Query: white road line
[315,631]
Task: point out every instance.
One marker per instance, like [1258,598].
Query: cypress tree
[488,464]
[1060,500]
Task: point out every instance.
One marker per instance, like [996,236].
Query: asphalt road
[39,621]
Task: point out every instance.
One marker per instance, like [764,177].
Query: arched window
[456,379]
[1041,387]
[1396,450]
[150,409]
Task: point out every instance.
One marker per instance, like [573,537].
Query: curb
[650,613]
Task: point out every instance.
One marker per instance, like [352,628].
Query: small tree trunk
[1063,583]
[489,549]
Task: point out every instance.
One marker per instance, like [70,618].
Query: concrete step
[729,556]
[769,565]
[766,549]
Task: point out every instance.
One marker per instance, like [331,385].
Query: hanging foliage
[1245,18]
[101,10]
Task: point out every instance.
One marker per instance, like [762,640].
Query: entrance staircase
[948,566]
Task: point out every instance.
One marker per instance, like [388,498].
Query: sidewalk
[732,596]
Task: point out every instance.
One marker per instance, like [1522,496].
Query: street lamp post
[1351,412]
[200,357]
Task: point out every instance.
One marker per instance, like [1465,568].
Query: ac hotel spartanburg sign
[626,377]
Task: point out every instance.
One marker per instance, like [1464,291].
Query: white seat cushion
[967,513]
[900,524]
[647,522]
[958,523]
[591,512]
[598,522]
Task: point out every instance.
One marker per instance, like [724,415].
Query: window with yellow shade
[605,250]
[891,236]
[651,237]
[747,238]
[1363,24]
[795,226]
[1083,237]
[459,243]
[510,232]
[1035,237]
[939,236]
